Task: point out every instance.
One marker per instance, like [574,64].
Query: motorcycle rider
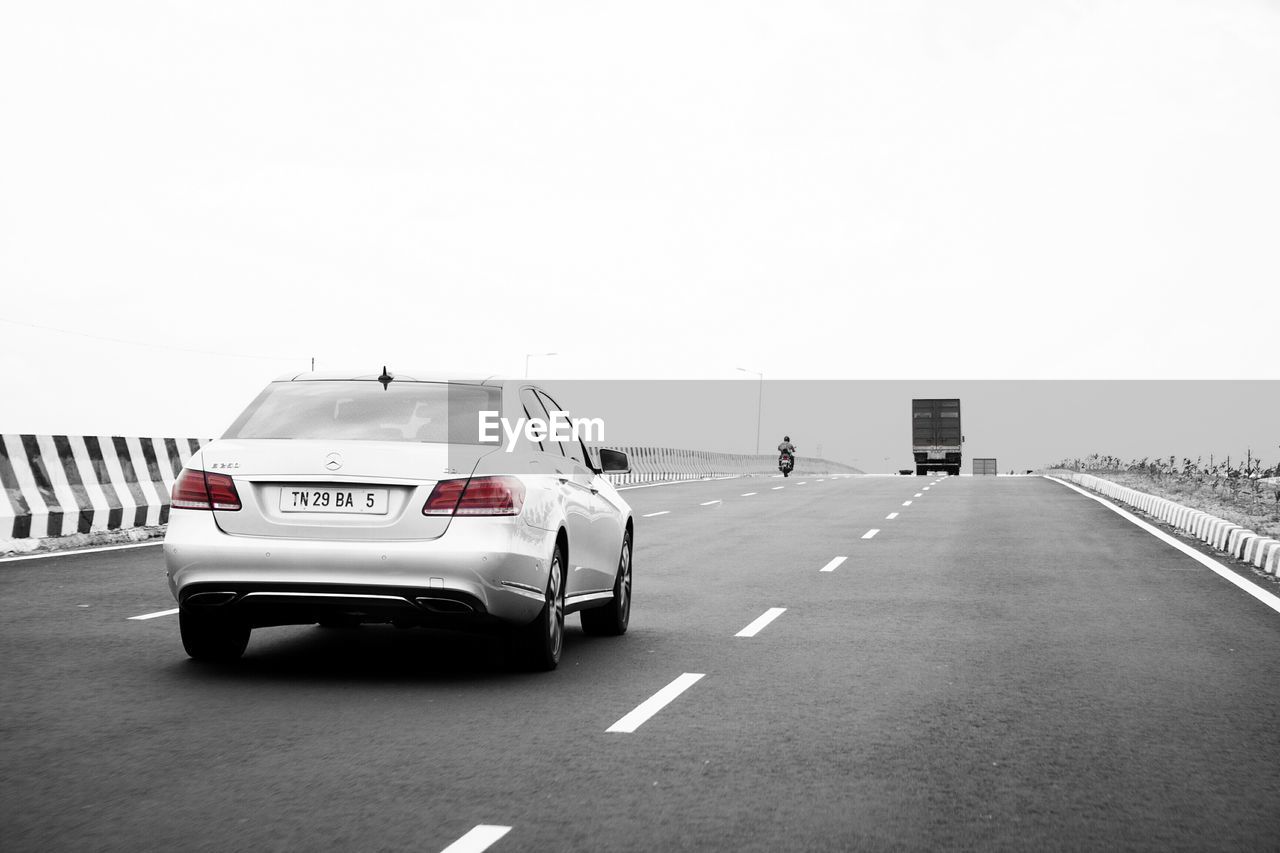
[786,456]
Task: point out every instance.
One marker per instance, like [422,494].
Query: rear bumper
[935,456]
[483,571]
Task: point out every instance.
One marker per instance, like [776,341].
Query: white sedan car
[341,498]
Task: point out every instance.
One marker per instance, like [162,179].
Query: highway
[1004,665]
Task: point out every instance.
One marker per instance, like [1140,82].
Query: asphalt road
[1006,665]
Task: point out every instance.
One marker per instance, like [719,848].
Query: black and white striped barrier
[1259,551]
[59,485]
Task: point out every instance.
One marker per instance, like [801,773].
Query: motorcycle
[786,462]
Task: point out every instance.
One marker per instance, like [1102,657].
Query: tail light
[478,496]
[201,490]
[444,497]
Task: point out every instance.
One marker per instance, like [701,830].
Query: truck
[936,438]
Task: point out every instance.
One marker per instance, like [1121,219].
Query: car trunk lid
[336,489]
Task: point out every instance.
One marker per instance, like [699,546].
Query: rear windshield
[437,412]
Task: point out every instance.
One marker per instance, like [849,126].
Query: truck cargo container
[936,438]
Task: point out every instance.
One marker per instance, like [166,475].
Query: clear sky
[195,198]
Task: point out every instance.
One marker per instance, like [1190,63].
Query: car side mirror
[614,462]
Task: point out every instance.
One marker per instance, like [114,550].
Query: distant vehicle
[936,438]
[983,467]
[906,471]
[345,498]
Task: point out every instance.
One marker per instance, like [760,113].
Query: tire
[212,638]
[537,646]
[786,473]
[611,620]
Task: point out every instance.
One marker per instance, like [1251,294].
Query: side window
[571,447]
[533,408]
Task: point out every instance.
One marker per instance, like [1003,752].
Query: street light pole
[759,404]
[532,355]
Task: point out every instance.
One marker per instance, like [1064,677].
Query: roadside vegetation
[1243,491]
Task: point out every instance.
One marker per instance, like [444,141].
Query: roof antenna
[385,378]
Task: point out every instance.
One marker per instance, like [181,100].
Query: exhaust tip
[444,605]
[210,599]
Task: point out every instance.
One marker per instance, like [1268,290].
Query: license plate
[328,499]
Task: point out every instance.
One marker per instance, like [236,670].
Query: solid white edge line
[1208,562]
[872,532]
[652,514]
[831,566]
[655,703]
[153,615]
[891,516]
[477,839]
[761,621]
[71,552]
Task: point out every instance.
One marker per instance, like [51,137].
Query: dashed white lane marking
[819,481]
[803,483]
[891,516]
[154,615]
[747,494]
[775,488]
[925,489]
[906,503]
[479,838]
[831,567]
[872,532]
[655,703]
[75,551]
[673,483]
[709,503]
[1219,569]
[764,619]
[652,514]
[918,495]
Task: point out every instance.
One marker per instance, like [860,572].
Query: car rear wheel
[212,638]
[539,643]
[612,619]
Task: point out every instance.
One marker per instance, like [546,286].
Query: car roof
[364,374]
